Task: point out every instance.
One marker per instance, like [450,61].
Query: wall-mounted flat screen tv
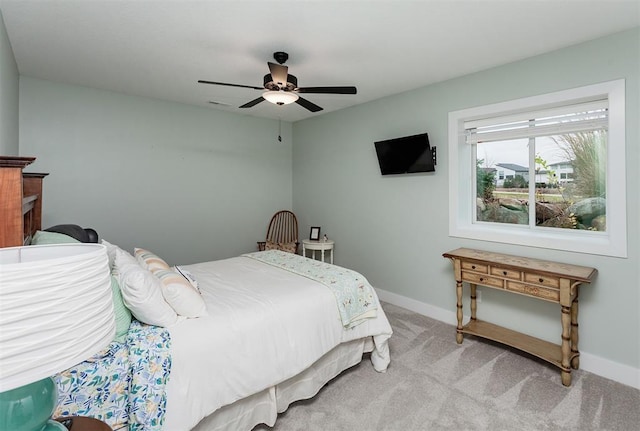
[406,155]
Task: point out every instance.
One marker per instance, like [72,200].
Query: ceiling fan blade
[309,105]
[328,90]
[279,73]
[230,85]
[254,102]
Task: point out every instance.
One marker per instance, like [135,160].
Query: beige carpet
[435,384]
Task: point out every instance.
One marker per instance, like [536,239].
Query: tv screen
[405,155]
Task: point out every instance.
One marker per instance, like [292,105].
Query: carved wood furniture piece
[546,280]
[20,201]
[282,231]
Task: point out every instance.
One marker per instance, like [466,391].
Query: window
[567,151]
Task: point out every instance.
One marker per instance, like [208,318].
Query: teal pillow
[122,313]
[42,237]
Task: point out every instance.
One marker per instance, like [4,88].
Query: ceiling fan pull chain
[279,129]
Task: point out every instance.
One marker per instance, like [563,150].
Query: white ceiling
[161,49]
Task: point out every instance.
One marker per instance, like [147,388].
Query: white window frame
[462,193]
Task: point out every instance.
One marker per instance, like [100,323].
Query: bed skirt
[263,407]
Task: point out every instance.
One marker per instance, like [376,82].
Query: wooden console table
[541,279]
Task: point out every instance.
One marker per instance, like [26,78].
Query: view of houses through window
[545,171]
[562,176]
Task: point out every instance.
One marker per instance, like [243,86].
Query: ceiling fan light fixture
[280,97]
[281,88]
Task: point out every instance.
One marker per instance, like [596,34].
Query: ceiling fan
[282,88]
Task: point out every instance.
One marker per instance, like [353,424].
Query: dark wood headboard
[20,201]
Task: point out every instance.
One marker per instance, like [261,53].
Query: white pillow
[176,289]
[142,292]
[180,294]
[188,275]
[111,252]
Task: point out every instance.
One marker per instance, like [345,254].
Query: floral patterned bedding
[124,385]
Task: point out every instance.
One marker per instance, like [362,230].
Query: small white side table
[323,246]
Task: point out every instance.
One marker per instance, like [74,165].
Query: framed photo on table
[314,235]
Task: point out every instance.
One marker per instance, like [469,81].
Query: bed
[274,337]
[274,328]
[269,337]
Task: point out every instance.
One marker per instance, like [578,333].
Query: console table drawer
[542,280]
[537,291]
[475,267]
[474,278]
[507,273]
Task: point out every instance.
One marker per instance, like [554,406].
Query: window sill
[578,241]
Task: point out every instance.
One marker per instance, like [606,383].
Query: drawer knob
[473,267]
[504,272]
[481,279]
[540,280]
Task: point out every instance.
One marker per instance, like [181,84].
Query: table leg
[304,251]
[474,304]
[332,256]
[575,353]
[322,254]
[566,348]
[459,311]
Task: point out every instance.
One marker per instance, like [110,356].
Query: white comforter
[264,325]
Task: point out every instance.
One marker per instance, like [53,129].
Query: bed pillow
[150,260]
[42,237]
[122,313]
[111,252]
[180,294]
[188,275]
[176,289]
[289,247]
[142,292]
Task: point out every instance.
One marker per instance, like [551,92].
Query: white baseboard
[607,368]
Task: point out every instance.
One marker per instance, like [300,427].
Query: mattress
[264,325]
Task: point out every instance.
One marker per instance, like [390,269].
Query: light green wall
[197,184]
[395,229]
[9,79]
[192,184]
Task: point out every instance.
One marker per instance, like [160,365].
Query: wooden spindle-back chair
[282,233]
